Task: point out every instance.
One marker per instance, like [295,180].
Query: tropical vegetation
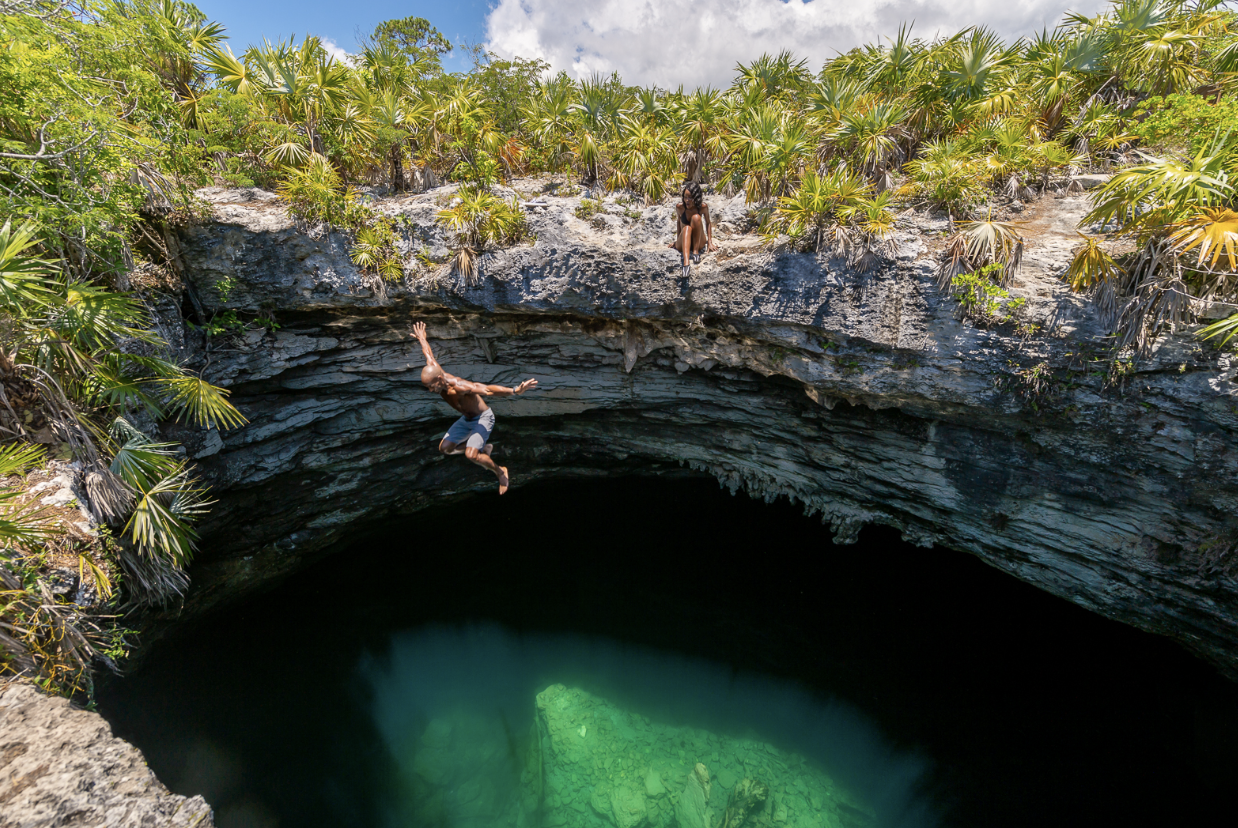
[115,111]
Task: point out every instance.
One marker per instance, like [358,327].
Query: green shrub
[984,301]
[1184,122]
[315,194]
[588,208]
[374,249]
[480,218]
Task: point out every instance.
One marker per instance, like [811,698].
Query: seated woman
[693,229]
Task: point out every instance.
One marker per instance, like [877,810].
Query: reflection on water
[491,729]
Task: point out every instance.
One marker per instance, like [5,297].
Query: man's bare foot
[504,480]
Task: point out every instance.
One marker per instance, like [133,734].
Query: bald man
[469,434]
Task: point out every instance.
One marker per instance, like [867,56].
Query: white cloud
[698,42]
[335,51]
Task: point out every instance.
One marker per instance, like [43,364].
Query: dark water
[934,688]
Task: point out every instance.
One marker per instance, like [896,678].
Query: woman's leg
[698,233]
[685,241]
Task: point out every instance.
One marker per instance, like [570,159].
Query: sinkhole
[649,652]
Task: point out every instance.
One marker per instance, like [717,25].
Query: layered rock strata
[861,395]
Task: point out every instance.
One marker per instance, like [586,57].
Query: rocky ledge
[62,766]
[861,395]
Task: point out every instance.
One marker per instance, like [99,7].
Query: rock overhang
[860,395]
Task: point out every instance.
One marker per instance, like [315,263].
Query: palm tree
[644,159]
[949,177]
[597,113]
[978,63]
[699,126]
[873,139]
[838,208]
[60,353]
[750,143]
[891,67]
[188,39]
[480,218]
[1179,215]
[773,77]
[299,87]
[550,118]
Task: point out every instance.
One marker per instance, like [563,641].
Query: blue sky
[649,42]
[249,21]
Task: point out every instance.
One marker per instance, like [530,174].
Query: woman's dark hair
[694,190]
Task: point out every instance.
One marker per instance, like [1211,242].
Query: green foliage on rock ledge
[98,159]
[95,122]
[114,111]
[952,122]
[75,360]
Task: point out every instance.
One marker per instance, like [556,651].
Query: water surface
[398,677]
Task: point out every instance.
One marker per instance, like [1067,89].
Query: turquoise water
[396,682]
[491,728]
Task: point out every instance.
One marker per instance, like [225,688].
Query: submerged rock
[604,778]
[463,771]
[653,783]
[692,807]
[747,798]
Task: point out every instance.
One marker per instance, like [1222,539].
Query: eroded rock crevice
[860,395]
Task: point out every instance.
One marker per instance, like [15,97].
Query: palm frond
[1090,266]
[160,524]
[1225,328]
[993,242]
[24,279]
[16,458]
[87,567]
[1215,231]
[20,523]
[200,402]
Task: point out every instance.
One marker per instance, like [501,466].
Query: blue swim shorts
[473,432]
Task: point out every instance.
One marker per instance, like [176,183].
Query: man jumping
[469,434]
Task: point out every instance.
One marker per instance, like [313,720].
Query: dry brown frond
[1159,297]
[151,581]
[111,497]
[465,263]
[50,642]
[954,262]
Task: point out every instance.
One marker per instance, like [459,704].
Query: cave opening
[930,687]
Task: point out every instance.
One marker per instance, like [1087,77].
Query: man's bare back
[469,434]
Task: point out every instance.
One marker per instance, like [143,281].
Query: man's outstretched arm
[465,387]
[419,331]
[504,391]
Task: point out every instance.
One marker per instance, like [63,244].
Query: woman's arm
[709,229]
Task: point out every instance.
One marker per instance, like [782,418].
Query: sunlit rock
[63,766]
[608,773]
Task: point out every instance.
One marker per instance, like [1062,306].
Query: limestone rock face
[862,396]
[601,778]
[62,766]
